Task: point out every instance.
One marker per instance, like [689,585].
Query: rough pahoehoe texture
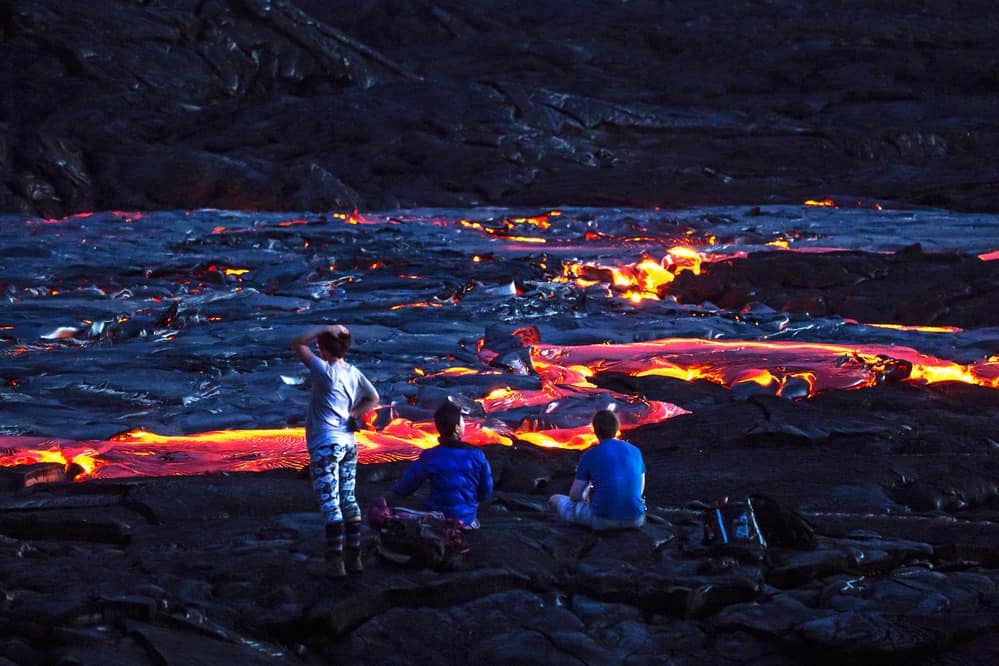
[309,105]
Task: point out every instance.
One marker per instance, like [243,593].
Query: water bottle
[742,527]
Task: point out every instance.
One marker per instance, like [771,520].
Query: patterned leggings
[333,468]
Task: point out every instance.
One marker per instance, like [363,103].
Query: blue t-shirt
[615,469]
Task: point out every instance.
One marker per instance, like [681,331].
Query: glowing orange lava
[792,369]
[507,228]
[353,218]
[922,329]
[822,366]
[641,280]
[795,370]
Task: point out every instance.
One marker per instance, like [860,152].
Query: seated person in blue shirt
[459,474]
[610,481]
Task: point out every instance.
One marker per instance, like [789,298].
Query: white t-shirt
[336,387]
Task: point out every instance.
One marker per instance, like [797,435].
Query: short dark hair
[446,418]
[337,345]
[605,424]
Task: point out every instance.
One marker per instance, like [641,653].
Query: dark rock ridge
[908,287]
[280,105]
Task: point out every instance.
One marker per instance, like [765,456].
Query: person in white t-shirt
[341,394]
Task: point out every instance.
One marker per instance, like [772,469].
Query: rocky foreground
[310,105]
[900,483]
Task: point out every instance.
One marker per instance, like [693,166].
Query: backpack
[416,538]
[782,526]
[731,526]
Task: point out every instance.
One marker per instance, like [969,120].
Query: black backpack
[752,524]
[782,526]
[731,525]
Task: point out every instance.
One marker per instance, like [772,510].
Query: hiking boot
[352,561]
[335,566]
[352,548]
[334,549]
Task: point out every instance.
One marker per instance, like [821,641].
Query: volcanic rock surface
[310,105]
[179,322]
[777,370]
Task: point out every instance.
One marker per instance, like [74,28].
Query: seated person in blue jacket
[459,473]
[610,481]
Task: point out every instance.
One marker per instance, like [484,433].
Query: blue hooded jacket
[459,475]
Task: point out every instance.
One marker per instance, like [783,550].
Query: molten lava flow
[508,227]
[33,450]
[422,304]
[821,366]
[641,280]
[538,221]
[57,220]
[921,329]
[577,438]
[645,279]
[557,412]
[989,256]
[353,218]
[554,415]
[829,203]
[554,418]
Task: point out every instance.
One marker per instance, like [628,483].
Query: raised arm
[300,343]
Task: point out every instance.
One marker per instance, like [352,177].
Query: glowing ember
[507,228]
[58,220]
[526,239]
[989,256]
[539,221]
[353,218]
[422,304]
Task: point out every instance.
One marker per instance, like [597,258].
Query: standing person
[340,393]
[459,474]
[610,481]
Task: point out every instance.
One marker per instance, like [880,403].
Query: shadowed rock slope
[307,105]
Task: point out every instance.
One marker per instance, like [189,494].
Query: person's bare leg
[555,501]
